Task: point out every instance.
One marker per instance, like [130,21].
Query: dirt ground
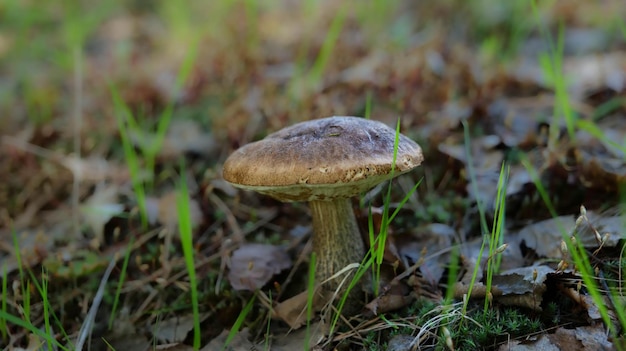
[118,231]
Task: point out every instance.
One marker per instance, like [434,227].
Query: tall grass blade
[186,239]
[481,211]
[26,325]
[46,306]
[496,239]
[580,258]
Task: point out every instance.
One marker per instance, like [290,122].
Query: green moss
[495,326]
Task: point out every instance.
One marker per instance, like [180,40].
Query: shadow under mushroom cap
[321,159]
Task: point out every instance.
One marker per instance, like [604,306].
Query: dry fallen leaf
[173,329]
[601,160]
[293,310]
[297,340]
[136,341]
[253,265]
[486,161]
[516,120]
[470,253]
[436,239]
[393,299]
[589,338]
[522,287]
[239,342]
[544,237]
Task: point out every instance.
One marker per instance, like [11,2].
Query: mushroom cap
[322,159]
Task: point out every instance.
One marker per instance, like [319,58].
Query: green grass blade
[46,306]
[49,339]
[552,66]
[481,211]
[313,77]
[381,240]
[453,270]
[578,255]
[593,129]
[319,66]
[239,322]
[44,294]
[268,331]
[404,201]
[186,238]
[496,239]
[166,117]
[24,284]
[375,255]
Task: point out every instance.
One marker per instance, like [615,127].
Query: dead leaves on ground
[251,266]
[435,84]
[581,338]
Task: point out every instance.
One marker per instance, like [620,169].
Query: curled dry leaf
[394,298]
[253,265]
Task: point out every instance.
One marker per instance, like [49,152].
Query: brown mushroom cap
[321,159]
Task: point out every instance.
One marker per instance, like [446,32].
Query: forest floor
[117,231]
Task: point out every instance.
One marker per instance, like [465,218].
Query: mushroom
[325,162]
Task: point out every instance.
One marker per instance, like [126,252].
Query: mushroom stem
[336,238]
